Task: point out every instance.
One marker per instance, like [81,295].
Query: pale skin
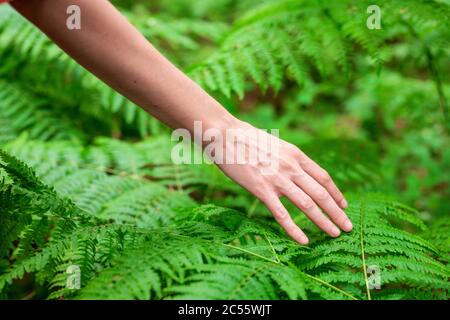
[111,48]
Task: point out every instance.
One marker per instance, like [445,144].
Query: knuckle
[286,165]
[325,177]
[322,194]
[280,215]
[263,194]
[287,227]
[294,150]
[325,226]
[268,177]
[341,219]
[306,202]
[283,184]
[285,190]
[305,162]
[298,174]
[292,229]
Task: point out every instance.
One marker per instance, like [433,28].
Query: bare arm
[112,49]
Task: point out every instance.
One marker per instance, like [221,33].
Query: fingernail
[335,232]
[344,203]
[348,226]
[304,240]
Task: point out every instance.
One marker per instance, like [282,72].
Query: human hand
[295,176]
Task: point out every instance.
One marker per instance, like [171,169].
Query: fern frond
[21,112]
[280,37]
[401,257]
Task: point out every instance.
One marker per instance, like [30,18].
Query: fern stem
[278,261]
[252,253]
[252,209]
[272,248]
[361,234]
[331,286]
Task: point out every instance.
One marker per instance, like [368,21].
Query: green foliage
[281,37]
[201,252]
[20,112]
[86,177]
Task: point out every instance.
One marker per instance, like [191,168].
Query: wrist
[222,122]
[214,124]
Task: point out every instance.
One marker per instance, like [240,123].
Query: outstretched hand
[296,177]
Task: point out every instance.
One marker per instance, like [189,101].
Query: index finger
[324,178]
[282,216]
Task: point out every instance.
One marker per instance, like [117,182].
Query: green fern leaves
[279,40]
[208,252]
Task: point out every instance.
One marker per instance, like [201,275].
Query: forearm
[111,48]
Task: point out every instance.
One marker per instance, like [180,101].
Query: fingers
[322,177]
[322,197]
[307,205]
[282,216]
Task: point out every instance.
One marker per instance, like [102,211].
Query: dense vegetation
[86,178]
